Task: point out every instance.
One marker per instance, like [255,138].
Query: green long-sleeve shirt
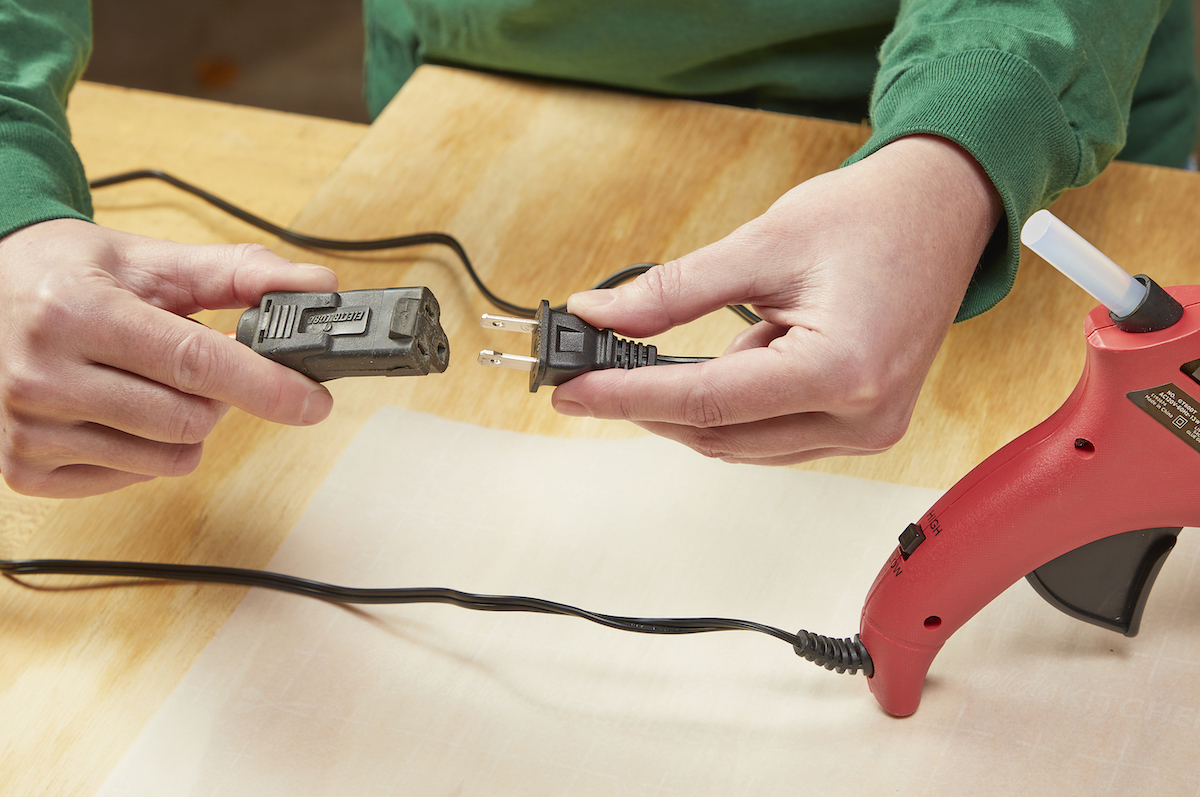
[43,49]
[1043,94]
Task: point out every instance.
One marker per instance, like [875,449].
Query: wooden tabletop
[549,188]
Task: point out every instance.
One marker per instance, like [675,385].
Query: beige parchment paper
[299,697]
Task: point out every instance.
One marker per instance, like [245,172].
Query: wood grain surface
[549,188]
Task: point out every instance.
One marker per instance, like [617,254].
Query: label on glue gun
[1178,412]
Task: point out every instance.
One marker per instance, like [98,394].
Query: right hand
[104,382]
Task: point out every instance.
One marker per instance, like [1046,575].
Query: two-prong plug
[565,346]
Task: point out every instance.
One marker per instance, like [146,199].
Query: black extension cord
[841,655]
[377,244]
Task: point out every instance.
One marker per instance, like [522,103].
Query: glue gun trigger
[1107,581]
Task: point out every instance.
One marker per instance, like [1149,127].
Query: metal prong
[495,359]
[507,323]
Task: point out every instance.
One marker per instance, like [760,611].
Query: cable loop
[378,244]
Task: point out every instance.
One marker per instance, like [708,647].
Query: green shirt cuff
[36,187]
[999,109]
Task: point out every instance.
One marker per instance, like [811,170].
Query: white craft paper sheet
[298,697]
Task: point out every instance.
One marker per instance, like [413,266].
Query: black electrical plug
[379,332]
[565,346]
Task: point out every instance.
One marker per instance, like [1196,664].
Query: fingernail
[316,407]
[314,269]
[588,299]
[572,408]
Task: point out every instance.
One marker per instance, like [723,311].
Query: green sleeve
[1038,92]
[43,49]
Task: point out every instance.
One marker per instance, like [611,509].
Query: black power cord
[841,655]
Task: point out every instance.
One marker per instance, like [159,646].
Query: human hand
[857,274]
[103,380]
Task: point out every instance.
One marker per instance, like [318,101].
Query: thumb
[185,278]
[674,293]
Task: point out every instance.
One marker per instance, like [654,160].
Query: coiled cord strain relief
[841,655]
[631,354]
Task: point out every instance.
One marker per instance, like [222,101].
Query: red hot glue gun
[1087,505]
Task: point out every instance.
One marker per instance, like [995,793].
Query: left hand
[857,274]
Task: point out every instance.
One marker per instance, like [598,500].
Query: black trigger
[1107,582]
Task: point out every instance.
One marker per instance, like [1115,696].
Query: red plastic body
[1039,497]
